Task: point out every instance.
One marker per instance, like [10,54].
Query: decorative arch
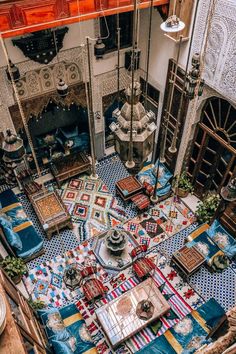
[213,154]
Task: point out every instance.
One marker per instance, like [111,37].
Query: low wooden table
[119,319]
[188,260]
[51,211]
[70,166]
[128,187]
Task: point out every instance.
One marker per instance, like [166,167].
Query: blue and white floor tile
[220,286]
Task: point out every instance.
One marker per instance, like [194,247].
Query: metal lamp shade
[99,49]
[190,86]
[62,88]
[228,193]
[14,71]
[72,278]
[13,146]
[201,86]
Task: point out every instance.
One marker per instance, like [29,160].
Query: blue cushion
[53,324]
[11,236]
[62,347]
[223,239]
[79,334]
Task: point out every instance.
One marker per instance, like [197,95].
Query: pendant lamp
[99,49]
[15,73]
[62,88]
[228,193]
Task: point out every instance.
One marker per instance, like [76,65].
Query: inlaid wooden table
[188,260]
[70,166]
[119,319]
[51,211]
[128,187]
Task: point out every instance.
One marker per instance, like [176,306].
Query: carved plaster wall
[220,64]
[35,79]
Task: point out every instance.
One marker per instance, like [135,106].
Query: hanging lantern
[190,86]
[201,86]
[72,278]
[228,193]
[196,60]
[14,71]
[62,88]
[99,49]
[172,24]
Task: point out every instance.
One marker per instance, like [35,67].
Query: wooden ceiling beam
[22,17]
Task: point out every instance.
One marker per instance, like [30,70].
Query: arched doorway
[213,156]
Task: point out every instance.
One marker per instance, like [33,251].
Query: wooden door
[213,158]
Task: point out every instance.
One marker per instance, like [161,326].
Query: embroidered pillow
[11,236]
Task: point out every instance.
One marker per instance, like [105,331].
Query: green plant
[36,304]
[206,208]
[184,182]
[13,266]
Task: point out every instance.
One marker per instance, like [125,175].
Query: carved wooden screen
[172,119]
[213,159]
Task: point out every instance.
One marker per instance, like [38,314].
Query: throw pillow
[49,139]
[12,237]
[53,324]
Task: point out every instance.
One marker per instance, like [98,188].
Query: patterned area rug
[45,282]
[92,206]
[159,223]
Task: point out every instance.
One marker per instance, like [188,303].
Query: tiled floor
[221,286]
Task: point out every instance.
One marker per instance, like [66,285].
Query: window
[152,92]
[126,25]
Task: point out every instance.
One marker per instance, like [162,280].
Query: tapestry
[92,207]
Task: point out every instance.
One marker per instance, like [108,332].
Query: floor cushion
[67,331]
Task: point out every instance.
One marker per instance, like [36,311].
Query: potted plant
[36,304]
[14,267]
[207,208]
[183,185]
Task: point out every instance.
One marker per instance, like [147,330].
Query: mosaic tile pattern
[220,286]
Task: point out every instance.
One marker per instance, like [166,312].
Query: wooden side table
[51,211]
[70,166]
[128,187]
[188,260]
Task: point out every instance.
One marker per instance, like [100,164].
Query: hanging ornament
[99,48]
[15,73]
[62,88]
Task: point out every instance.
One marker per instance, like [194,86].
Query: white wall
[162,48]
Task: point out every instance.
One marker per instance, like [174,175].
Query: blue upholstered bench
[66,330]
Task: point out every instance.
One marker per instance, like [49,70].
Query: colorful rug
[160,222]
[92,206]
[45,283]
